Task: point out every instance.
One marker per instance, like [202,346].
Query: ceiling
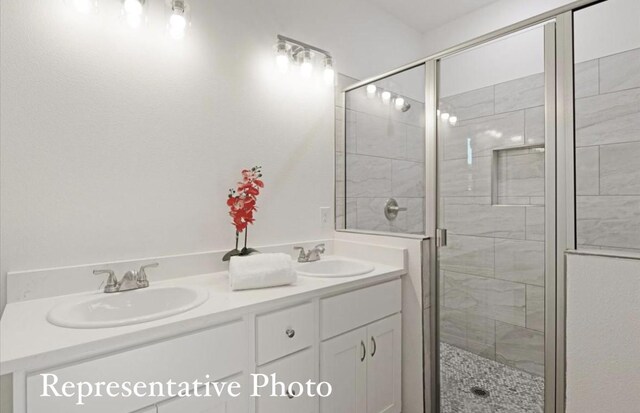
[425,15]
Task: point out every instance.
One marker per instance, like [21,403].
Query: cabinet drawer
[284,332]
[298,367]
[354,309]
[218,352]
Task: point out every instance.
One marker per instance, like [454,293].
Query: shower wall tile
[521,174]
[468,255]
[495,299]
[535,308]
[586,79]
[520,261]
[340,186]
[534,125]
[350,131]
[487,221]
[483,135]
[620,71]
[415,143]
[620,169]
[407,179]
[588,170]
[521,348]
[608,118]
[459,178]
[535,223]
[415,214]
[526,92]
[468,331]
[380,137]
[368,176]
[370,216]
[474,104]
[611,221]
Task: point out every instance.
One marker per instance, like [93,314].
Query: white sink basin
[130,307]
[334,267]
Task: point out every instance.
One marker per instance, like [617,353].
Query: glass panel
[607,121]
[491,189]
[381,174]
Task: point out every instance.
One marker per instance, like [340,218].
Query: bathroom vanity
[344,330]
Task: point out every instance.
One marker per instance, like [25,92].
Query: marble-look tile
[620,71]
[521,175]
[370,216]
[350,132]
[534,126]
[526,92]
[477,137]
[536,200]
[415,214]
[340,213]
[535,223]
[340,168]
[588,170]
[514,200]
[608,221]
[415,144]
[368,176]
[378,136]
[620,169]
[339,135]
[608,118]
[468,331]
[407,179]
[351,211]
[466,200]
[520,261]
[535,307]
[521,348]
[487,221]
[586,79]
[494,299]
[458,177]
[468,255]
[469,105]
[345,213]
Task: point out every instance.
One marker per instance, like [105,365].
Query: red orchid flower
[242,200]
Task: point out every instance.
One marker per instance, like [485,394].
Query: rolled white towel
[260,271]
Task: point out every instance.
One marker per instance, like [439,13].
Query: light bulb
[399,103]
[371,90]
[444,116]
[132,10]
[453,120]
[177,26]
[438,112]
[305,66]
[329,73]
[282,56]
[386,97]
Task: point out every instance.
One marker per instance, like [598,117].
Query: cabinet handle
[364,351]
[290,332]
[375,346]
[291,394]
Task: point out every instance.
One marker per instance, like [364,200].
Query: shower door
[494,105]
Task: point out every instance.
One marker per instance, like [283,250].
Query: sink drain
[479,391]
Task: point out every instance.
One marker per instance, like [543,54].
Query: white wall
[603,332]
[119,144]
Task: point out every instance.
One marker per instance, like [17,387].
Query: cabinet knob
[290,332]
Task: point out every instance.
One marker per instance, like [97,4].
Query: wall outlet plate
[325,217]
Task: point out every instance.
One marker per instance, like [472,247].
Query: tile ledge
[629,255]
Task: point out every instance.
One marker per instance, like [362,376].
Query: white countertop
[29,342]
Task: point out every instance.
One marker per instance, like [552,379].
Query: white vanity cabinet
[348,337]
[363,364]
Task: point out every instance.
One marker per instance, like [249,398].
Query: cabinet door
[214,404]
[343,363]
[384,365]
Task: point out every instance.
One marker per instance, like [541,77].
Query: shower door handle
[441,237]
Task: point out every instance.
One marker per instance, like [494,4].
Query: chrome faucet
[311,255]
[131,280]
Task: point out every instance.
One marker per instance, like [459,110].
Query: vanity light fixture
[399,102]
[371,91]
[386,97]
[178,19]
[444,116]
[329,73]
[133,12]
[453,120]
[290,50]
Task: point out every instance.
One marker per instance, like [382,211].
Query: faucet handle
[142,275]
[319,248]
[302,257]
[112,281]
